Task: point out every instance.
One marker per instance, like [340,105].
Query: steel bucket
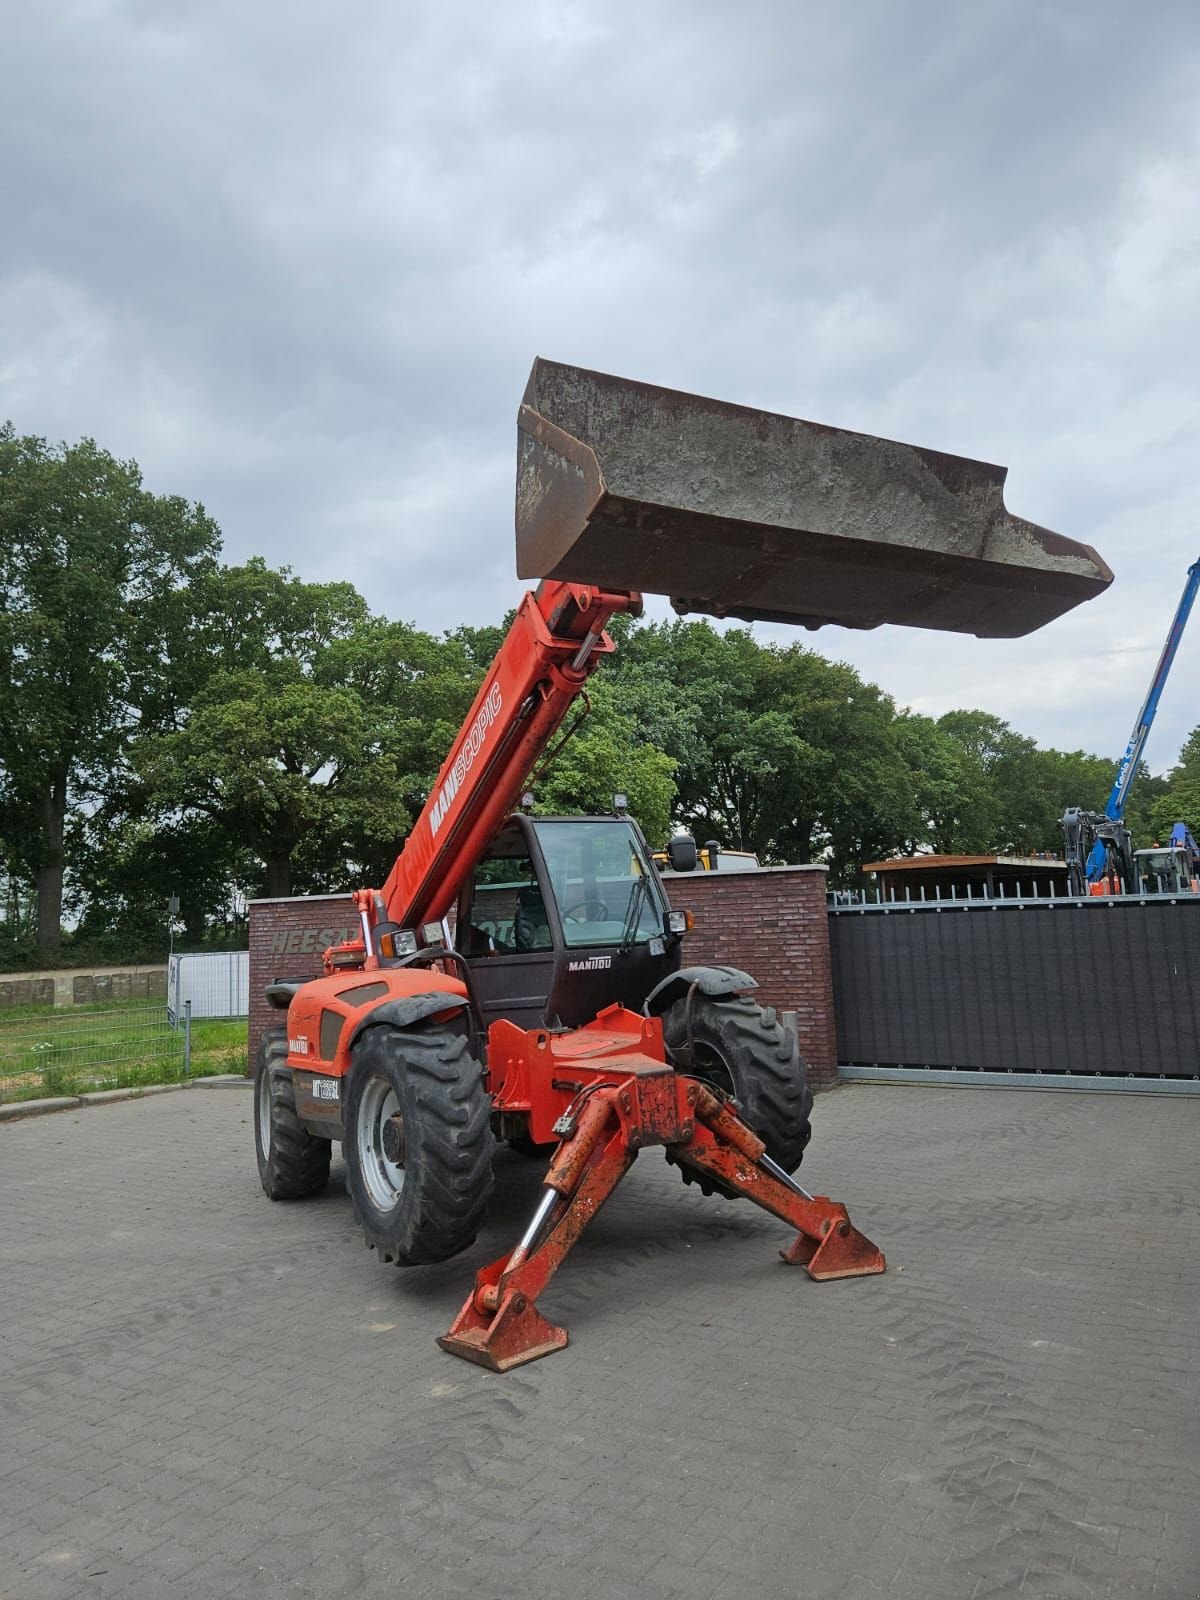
[744,513]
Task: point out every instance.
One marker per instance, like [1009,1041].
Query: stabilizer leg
[828,1244]
[500,1326]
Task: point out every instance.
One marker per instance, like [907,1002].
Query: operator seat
[531,925]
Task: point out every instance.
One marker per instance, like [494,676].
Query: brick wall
[772,923]
[287,940]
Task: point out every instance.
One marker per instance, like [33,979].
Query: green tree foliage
[778,751]
[1017,793]
[1179,800]
[949,802]
[607,755]
[308,743]
[1141,810]
[783,752]
[91,569]
[169,726]
[133,868]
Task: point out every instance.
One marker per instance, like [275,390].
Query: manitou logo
[298,1046]
[465,759]
[590,964]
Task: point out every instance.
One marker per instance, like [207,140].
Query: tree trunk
[50,873]
[279,878]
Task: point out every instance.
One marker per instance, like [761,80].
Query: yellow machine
[683,855]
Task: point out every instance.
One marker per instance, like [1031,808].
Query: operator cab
[563,916]
[1164,869]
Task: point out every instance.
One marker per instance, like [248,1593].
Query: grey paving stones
[203,1394]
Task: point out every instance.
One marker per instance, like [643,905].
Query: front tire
[418,1143]
[292,1163]
[744,1050]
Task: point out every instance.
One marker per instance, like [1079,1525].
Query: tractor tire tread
[298,1165]
[447,1120]
[769,1077]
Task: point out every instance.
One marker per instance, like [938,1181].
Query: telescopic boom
[556,641]
[1114,808]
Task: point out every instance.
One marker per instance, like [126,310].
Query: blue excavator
[1096,844]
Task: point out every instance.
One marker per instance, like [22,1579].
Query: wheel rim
[264,1113]
[383,1177]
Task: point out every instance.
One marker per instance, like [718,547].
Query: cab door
[506,932]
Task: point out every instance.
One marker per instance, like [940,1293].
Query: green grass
[219,1046]
[123,1044]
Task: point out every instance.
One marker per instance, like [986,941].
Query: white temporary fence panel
[217,985]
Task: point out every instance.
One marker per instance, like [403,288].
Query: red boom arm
[556,641]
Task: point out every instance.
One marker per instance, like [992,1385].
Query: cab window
[508,912]
[603,886]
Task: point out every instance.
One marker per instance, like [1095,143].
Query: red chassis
[617,1094]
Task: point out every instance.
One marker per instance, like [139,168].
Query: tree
[1142,805]
[778,750]
[1011,795]
[18,908]
[132,870]
[314,735]
[1018,793]
[91,568]
[607,755]
[1180,800]
[856,780]
[274,761]
[951,804]
[697,694]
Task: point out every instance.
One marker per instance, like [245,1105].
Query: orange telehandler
[554,1011]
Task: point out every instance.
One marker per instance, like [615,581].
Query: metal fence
[216,985]
[1057,992]
[1033,887]
[76,1052]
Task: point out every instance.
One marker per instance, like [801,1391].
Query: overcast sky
[296,259]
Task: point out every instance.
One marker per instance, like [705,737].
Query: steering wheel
[593,911]
[526,931]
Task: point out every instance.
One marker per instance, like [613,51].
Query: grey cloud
[297,258]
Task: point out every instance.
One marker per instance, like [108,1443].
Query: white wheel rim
[382,1178]
[264,1113]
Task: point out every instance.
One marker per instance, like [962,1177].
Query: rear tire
[292,1163]
[744,1050]
[418,1143]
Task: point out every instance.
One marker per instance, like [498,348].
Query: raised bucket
[744,513]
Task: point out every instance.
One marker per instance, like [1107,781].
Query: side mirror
[682,854]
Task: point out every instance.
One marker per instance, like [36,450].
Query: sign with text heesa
[309,941]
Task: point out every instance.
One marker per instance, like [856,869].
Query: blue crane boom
[1114,809]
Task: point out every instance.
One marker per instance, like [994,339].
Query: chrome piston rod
[785,1178]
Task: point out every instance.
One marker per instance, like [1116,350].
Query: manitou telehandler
[520,977]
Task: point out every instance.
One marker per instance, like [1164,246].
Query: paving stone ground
[203,1394]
